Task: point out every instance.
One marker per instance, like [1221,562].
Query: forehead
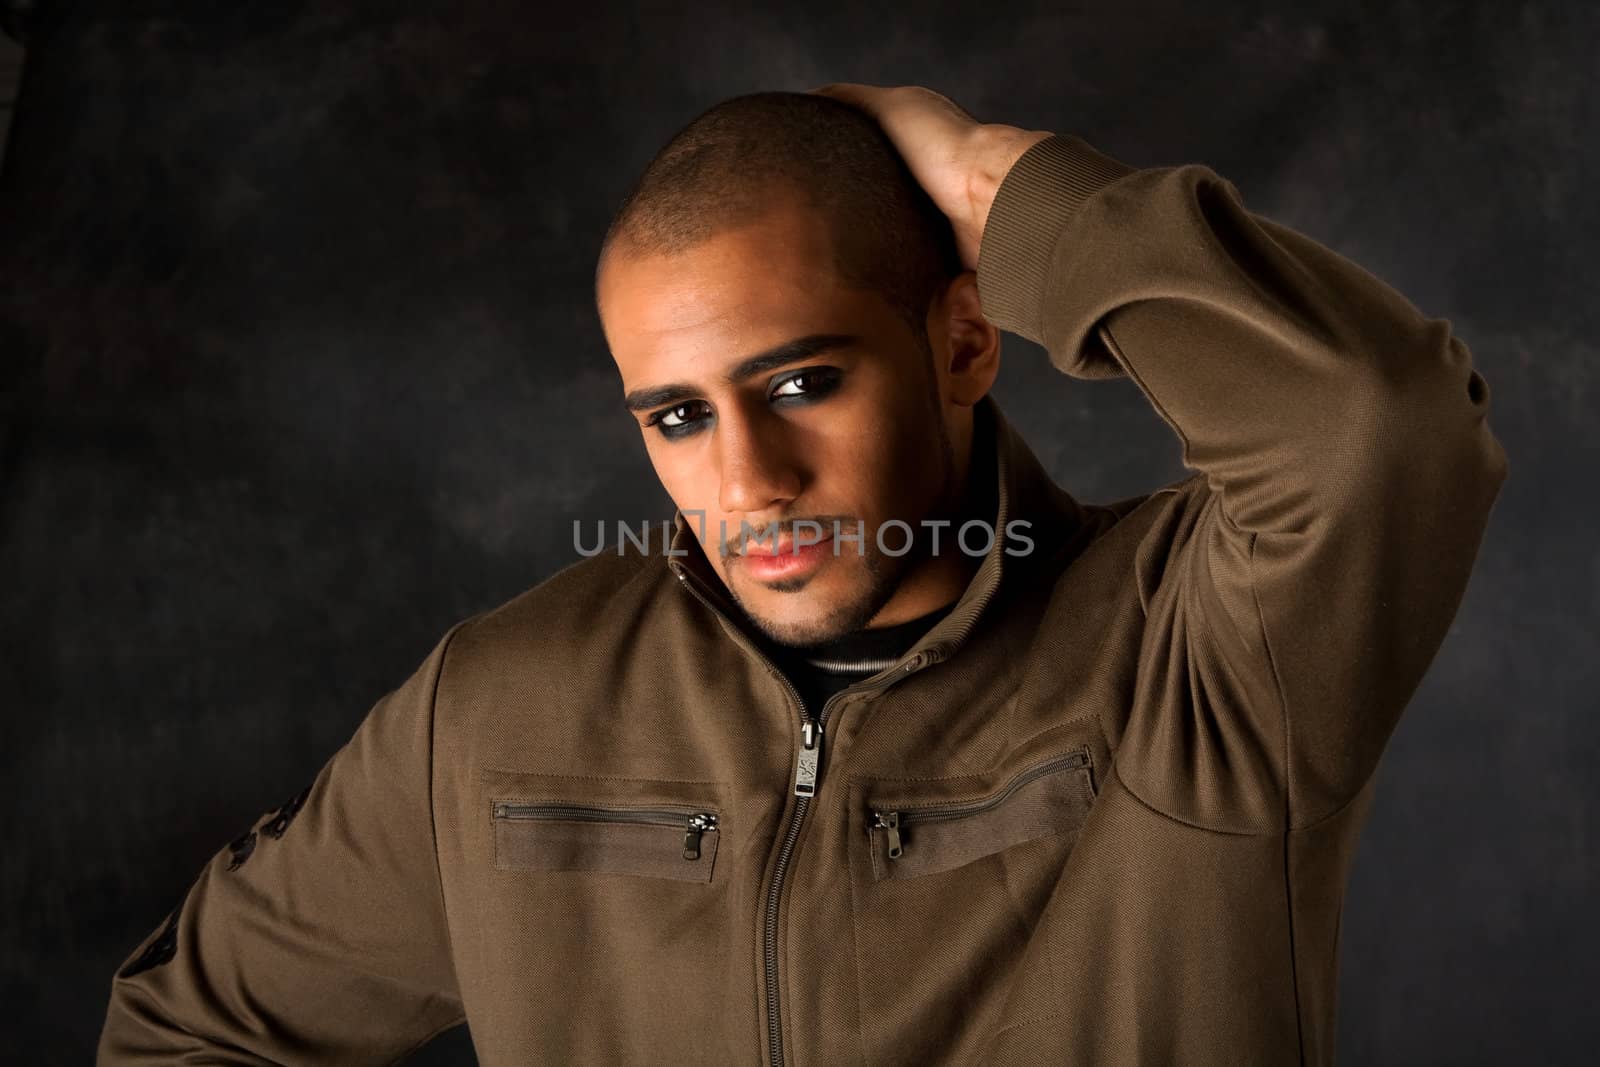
[738,292]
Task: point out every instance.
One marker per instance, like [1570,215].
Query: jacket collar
[1025,499]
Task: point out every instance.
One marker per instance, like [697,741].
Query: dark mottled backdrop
[300,367]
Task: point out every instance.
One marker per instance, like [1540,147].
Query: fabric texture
[1125,774]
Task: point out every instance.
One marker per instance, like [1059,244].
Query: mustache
[816,527]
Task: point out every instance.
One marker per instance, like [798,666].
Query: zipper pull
[889,821]
[808,760]
[699,823]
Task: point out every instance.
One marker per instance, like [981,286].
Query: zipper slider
[808,759]
[699,823]
[889,821]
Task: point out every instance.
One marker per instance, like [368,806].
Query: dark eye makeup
[807,385]
[791,388]
[679,420]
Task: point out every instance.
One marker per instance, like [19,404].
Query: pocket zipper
[694,823]
[891,820]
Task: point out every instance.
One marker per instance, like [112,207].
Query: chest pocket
[655,842]
[545,823]
[949,880]
[908,839]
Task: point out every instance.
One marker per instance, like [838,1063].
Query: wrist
[997,151]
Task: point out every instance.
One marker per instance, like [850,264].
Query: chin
[810,614]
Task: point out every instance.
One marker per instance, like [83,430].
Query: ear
[973,342]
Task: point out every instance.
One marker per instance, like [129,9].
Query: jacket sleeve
[317,936]
[1345,473]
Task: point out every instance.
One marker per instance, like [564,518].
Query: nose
[760,472]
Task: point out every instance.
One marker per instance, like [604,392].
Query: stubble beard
[883,576]
[882,579]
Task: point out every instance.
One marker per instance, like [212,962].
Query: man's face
[769,393]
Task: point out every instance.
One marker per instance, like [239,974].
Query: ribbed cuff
[1036,199]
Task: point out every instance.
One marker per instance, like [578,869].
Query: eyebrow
[770,359]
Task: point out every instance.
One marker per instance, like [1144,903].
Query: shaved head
[726,168]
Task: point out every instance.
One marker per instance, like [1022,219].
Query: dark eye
[809,384]
[680,420]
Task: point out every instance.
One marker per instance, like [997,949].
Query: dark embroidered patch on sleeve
[157,952]
[284,815]
[241,847]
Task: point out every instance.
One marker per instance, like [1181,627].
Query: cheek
[685,473]
[873,475]
[909,446]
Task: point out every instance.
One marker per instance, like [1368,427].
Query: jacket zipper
[694,824]
[891,820]
[808,770]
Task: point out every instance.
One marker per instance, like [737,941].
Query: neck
[938,579]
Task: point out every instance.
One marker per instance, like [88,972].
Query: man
[802,787]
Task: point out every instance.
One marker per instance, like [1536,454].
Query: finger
[848,92]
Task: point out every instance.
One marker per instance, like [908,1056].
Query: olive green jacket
[1103,813]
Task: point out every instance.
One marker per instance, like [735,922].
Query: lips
[788,561]
[785,547]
